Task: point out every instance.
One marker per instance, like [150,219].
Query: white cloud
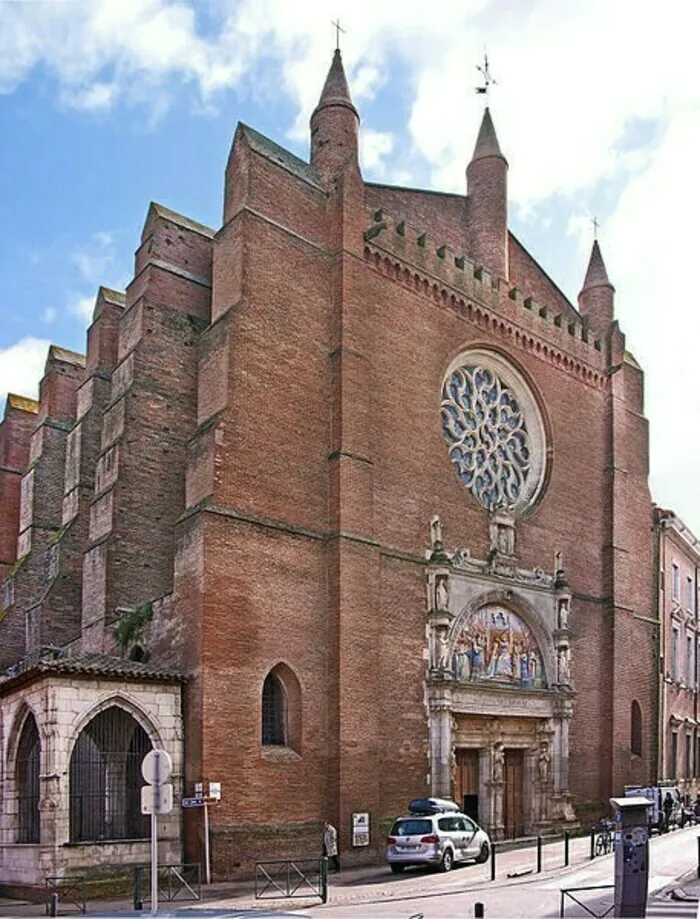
[22,366]
[81,306]
[96,258]
[375,147]
[49,315]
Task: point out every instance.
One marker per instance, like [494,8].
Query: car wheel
[447,860]
[397,869]
[483,855]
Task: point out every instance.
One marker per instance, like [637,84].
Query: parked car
[436,833]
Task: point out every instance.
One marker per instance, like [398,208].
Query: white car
[436,833]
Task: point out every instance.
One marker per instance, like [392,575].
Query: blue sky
[106,105]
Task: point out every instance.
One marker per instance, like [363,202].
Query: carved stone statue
[442,593]
[563,665]
[442,656]
[563,613]
[498,762]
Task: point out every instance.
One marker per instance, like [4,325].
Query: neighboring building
[350,483]
[678,556]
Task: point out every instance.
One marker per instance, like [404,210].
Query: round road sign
[156,767]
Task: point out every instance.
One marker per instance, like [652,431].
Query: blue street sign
[193,802]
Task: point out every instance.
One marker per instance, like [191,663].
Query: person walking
[668,810]
[330,845]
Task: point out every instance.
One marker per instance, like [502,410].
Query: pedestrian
[330,845]
[668,810]
[696,808]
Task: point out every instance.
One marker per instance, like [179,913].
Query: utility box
[631,855]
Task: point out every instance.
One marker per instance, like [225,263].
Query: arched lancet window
[636,729]
[105,779]
[274,712]
[27,782]
[281,709]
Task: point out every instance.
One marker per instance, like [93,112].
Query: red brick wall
[15,432]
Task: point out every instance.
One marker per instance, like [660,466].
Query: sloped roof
[180,220]
[22,403]
[276,154]
[57,661]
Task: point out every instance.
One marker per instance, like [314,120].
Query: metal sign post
[207,862]
[156,798]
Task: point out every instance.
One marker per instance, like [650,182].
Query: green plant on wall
[128,629]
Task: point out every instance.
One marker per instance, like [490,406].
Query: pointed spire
[596,275]
[334,125]
[335,89]
[486,142]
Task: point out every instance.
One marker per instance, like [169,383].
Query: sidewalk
[514,863]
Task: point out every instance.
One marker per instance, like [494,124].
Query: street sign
[193,802]
[215,790]
[157,799]
[157,767]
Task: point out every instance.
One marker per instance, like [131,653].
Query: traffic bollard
[493,861]
[53,906]
[138,898]
[539,854]
[478,911]
[592,842]
[566,848]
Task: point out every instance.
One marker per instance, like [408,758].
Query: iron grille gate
[292,878]
[105,779]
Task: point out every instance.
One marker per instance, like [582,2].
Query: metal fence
[292,878]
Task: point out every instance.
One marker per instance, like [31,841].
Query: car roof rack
[432,806]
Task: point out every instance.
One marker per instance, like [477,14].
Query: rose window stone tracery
[493,431]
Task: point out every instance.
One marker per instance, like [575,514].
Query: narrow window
[636,729]
[27,781]
[676,583]
[675,637]
[690,593]
[688,755]
[674,755]
[273,712]
[689,663]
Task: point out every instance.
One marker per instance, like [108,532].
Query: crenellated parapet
[434,269]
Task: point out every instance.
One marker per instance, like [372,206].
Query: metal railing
[570,891]
[292,878]
[175,882]
[61,889]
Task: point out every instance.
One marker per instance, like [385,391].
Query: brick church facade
[345,504]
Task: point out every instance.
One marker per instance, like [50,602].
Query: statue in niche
[442,593]
[563,665]
[498,762]
[442,650]
[563,613]
[543,761]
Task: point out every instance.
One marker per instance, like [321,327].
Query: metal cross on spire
[595,223]
[488,79]
[338,29]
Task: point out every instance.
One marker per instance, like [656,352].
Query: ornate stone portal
[499,686]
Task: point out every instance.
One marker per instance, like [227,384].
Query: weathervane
[488,79]
[338,29]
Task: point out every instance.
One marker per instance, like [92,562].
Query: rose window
[486,423]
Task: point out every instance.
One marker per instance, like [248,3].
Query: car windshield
[411,827]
